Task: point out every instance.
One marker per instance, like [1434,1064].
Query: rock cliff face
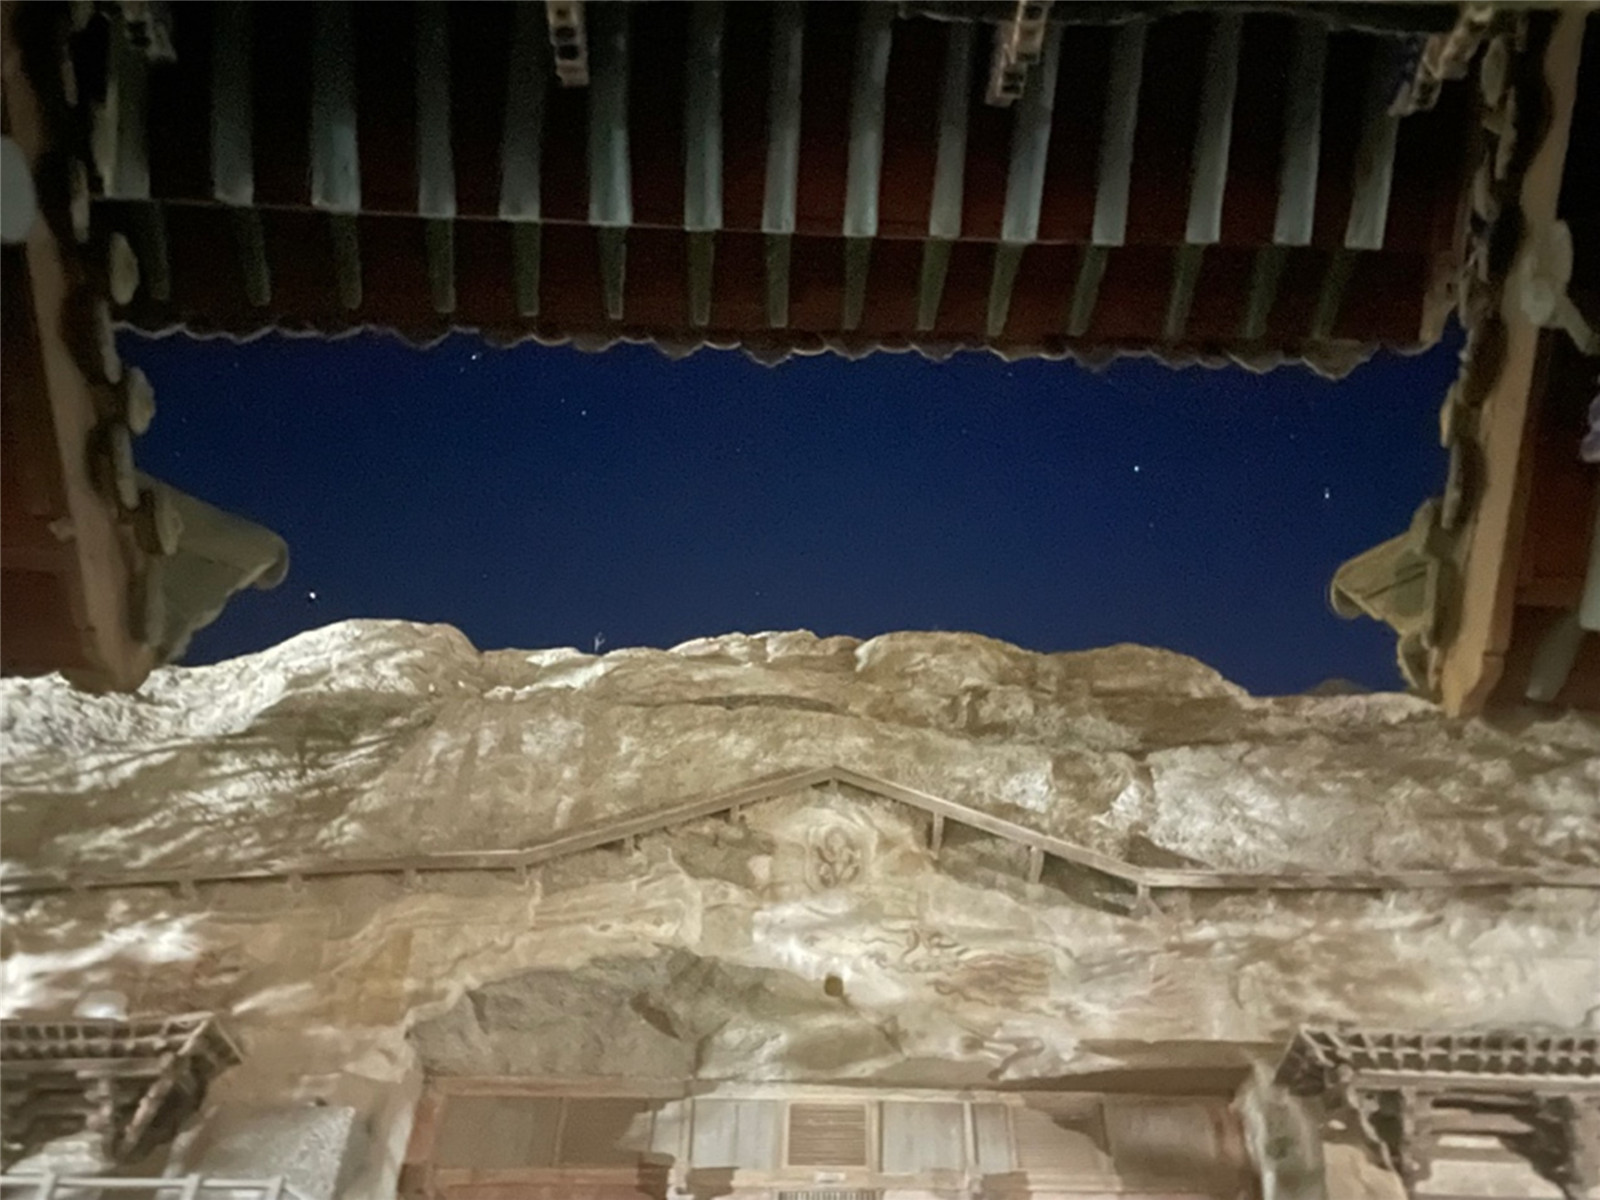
[817,937]
[380,737]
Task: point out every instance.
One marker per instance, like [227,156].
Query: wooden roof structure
[132,1082]
[1253,183]
[1534,1091]
[1207,182]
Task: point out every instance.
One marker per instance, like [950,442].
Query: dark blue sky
[536,497]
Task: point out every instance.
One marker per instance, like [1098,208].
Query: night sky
[538,497]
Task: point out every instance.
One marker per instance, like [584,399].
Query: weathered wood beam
[436,177]
[868,93]
[346,259]
[118,139]
[335,158]
[1030,148]
[1330,298]
[148,225]
[522,141]
[1208,182]
[1086,291]
[232,106]
[783,154]
[949,173]
[778,248]
[1114,172]
[702,252]
[702,177]
[522,150]
[440,240]
[1374,168]
[930,287]
[857,267]
[613,243]
[1265,276]
[1119,123]
[251,241]
[1007,261]
[1030,151]
[233,144]
[1214,135]
[1187,263]
[1301,154]
[864,169]
[1299,163]
[610,180]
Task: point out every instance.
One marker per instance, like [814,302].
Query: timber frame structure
[1127,884]
[1536,1093]
[131,1082]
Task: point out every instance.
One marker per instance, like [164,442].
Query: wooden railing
[626,830]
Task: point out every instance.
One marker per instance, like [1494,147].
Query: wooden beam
[778,249]
[346,259]
[232,106]
[1265,276]
[783,119]
[440,239]
[1300,153]
[702,267]
[857,266]
[118,140]
[613,241]
[610,179]
[233,144]
[436,176]
[1118,125]
[522,152]
[930,287]
[949,174]
[1030,148]
[1214,135]
[252,244]
[1473,661]
[1374,167]
[702,179]
[702,149]
[1007,261]
[1187,262]
[148,224]
[783,154]
[950,164]
[868,90]
[1086,291]
[335,159]
[1330,299]
[522,141]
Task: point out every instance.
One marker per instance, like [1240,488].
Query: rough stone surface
[313,1147]
[815,939]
